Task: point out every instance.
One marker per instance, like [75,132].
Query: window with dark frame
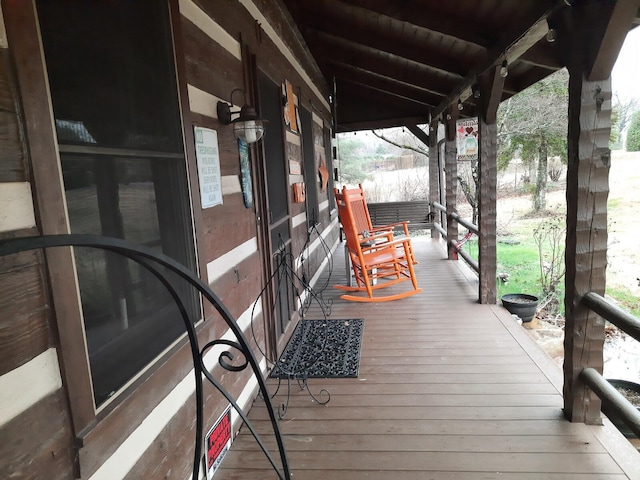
[115,104]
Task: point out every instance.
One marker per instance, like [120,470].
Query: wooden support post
[588,166]
[586,247]
[451,177]
[434,172]
[490,85]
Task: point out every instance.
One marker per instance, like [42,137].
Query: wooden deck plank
[440,462]
[432,443]
[404,475]
[448,389]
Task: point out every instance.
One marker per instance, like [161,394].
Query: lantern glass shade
[249,130]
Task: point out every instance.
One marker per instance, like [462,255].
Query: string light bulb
[504,68]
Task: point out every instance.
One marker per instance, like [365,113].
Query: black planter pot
[521,304]
[620,425]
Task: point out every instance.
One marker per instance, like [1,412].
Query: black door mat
[322,349]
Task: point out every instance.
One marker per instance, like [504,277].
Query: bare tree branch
[403,146]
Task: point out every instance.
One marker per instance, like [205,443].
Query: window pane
[112,80]
[129,315]
[109,66]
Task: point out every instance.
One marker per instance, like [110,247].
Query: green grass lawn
[520,262]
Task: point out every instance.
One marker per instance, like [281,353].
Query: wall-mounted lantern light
[247,125]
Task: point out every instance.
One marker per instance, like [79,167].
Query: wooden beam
[383,63]
[419,133]
[456,27]
[336,22]
[434,172]
[385,95]
[588,155]
[381,123]
[491,90]
[451,178]
[622,17]
[355,74]
[524,34]
[490,86]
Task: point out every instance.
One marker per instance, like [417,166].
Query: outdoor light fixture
[504,68]
[247,125]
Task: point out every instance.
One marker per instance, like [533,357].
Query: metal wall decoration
[290,110]
[323,173]
[154,262]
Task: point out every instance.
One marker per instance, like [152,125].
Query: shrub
[633,134]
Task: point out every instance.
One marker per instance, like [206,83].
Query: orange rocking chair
[362,219]
[378,261]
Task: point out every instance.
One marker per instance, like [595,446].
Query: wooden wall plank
[13,167]
[22,32]
[41,438]
[24,326]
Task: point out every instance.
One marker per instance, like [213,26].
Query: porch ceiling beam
[383,97]
[386,94]
[364,56]
[622,17]
[515,42]
[542,55]
[350,72]
[370,35]
[381,123]
[419,133]
[457,27]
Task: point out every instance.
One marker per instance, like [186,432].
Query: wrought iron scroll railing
[613,400]
[456,244]
[153,261]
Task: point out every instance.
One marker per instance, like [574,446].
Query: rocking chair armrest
[374,239]
[394,243]
[404,224]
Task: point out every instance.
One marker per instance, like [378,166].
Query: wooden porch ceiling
[397,59]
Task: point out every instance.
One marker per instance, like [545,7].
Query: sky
[625,77]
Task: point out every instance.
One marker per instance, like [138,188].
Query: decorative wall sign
[208,159]
[290,113]
[218,443]
[467,139]
[294,167]
[245,174]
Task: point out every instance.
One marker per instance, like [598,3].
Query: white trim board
[221,265]
[26,385]
[16,206]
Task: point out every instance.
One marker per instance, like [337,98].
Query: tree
[351,159]
[533,124]
[467,177]
[621,112]
[633,134]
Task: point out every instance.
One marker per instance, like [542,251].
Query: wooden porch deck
[448,389]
